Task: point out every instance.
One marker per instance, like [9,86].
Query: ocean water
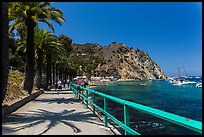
[185,101]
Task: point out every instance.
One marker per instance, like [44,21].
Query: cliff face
[121,62]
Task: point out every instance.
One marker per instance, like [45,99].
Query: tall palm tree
[39,42]
[5,48]
[47,48]
[30,13]
[53,50]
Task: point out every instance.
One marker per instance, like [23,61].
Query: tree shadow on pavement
[63,92]
[34,118]
[57,100]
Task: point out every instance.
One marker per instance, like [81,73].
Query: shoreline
[105,83]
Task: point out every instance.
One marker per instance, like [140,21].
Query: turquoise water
[181,100]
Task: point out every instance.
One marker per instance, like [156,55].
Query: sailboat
[182,80]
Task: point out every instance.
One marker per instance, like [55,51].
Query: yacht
[172,80]
[199,85]
[197,77]
[180,82]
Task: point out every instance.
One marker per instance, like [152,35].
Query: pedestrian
[68,82]
[56,85]
[59,85]
[85,83]
[64,83]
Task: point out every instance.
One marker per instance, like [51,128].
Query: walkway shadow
[58,100]
[34,118]
[64,89]
[51,92]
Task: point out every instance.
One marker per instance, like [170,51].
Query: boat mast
[184,70]
[179,72]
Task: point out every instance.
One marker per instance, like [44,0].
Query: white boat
[172,80]
[199,85]
[142,84]
[197,77]
[104,80]
[184,82]
[181,80]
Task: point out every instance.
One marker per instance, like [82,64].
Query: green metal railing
[179,120]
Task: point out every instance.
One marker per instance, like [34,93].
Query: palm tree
[5,48]
[53,50]
[39,42]
[30,13]
[47,48]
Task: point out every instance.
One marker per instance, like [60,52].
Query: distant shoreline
[105,83]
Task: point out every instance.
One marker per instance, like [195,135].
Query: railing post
[87,96]
[93,98]
[78,93]
[105,108]
[82,98]
[126,118]
[74,87]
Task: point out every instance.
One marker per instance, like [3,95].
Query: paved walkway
[54,114]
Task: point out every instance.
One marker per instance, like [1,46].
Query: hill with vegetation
[117,60]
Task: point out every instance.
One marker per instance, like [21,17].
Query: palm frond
[48,23]
[20,48]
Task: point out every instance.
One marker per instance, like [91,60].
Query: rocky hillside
[115,60]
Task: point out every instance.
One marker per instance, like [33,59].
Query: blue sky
[170,32]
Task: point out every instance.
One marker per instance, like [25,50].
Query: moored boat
[199,85]
[181,80]
[184,82]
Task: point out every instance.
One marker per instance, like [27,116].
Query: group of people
[62,83]
[59,84]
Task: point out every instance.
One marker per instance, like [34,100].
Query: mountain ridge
[117,60]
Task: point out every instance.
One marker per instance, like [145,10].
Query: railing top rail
[186,122]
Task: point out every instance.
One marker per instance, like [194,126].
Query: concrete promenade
[54,114]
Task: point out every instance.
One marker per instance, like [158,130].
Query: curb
[8,109]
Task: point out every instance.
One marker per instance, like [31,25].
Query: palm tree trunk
[5,49]
[63,72]
[50,72]
[48,59]
[38,77]
[56,72]
[53,72]
[30,60]
[60,72]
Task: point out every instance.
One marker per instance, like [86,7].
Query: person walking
[85,83]
[64,82]
[59,85]
[68,82]
[56,85]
